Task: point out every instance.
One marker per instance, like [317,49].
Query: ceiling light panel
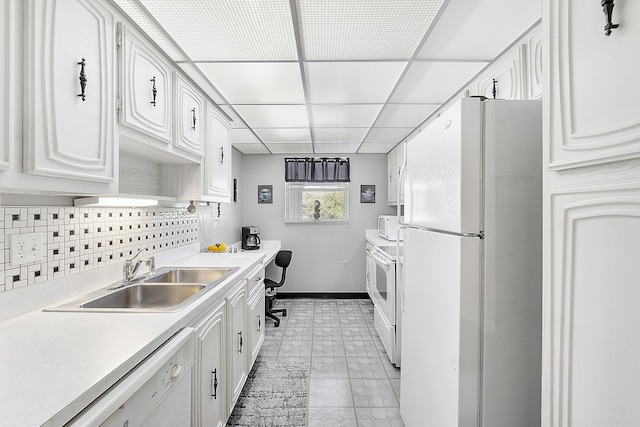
[405,115]
[333,147]
[274,116]
[251,148]
[387,134]
[352,82]
[256,82]
[290,148]
[434,82]
[284,135]
[149,26]
[339,134]
[364,29]
[228,30]
[341,116]
[376,147]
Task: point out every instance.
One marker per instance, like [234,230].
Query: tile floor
[351,380]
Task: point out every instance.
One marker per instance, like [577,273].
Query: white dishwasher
[157,392]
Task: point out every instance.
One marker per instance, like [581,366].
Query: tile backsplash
[81,239]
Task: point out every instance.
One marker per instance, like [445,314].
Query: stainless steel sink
[189,275]
[146,296]
[167,289]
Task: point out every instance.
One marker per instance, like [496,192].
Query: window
[316,202]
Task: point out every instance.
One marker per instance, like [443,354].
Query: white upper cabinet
[69,106]
[7,84]
[593,92]
[534,64]
[507,72]
[189,115]
[217,172]
[392,197]
[146,88]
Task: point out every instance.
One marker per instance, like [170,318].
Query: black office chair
[283,259]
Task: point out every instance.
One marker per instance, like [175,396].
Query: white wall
[326,257]
[230,220]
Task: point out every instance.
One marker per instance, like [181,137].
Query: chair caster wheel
[275,325]
[284,313]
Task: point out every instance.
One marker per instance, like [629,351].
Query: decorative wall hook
[607,8]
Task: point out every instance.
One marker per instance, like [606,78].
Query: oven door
[383,292]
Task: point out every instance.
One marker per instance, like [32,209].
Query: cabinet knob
[154,91]
[214,384]
[83,80]
[193,111]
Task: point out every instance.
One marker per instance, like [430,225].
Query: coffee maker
[250,237]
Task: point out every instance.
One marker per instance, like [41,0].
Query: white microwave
[388,227]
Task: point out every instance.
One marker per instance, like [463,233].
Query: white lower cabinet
[210,392]
[237,345]
[255,324]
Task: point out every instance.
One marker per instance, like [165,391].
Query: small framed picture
[265,193]
[367,194]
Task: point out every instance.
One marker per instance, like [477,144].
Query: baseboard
[332,295]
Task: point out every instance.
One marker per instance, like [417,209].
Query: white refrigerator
[472,279]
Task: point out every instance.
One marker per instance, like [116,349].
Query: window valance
[316,169]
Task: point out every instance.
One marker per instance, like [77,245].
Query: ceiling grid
[329,76]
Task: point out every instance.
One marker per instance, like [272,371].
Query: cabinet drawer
[255,281]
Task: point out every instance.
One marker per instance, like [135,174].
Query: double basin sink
[166,289]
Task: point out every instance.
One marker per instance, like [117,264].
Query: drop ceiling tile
[236,120]
[387,135]
[352,82]
[251,148]
[274,116]
[405,115]
[199,78]
[336,147]
[277,148]
[376,147]
[434,82]
[339,134]
[256,82]
[243,136]
[300,135]
[223,30]
[338,116]
[364,29]
[462,31]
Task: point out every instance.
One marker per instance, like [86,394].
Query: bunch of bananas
[218,247]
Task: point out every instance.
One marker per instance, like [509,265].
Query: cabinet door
[392,197]
[255,323]
[69,84]
[590,369]
[211,374]
[508,75]
[236,342]
[218,157]
[370,271]
[189,117]
[592,89]
[7,84]
[399,162]
[145,87]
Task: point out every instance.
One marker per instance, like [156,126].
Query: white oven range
[381,282]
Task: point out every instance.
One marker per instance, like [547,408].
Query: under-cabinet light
[114,201]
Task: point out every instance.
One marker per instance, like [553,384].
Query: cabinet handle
[607,8]
[222,154]
[240,348]
[214,382]
[154,90]
[259,323]
[193,111]
[494,90]
[83,80]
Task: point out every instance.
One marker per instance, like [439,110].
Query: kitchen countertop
[55,363]
[374,238]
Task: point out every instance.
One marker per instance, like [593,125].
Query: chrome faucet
[130,269]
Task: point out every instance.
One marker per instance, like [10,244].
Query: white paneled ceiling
[330,76]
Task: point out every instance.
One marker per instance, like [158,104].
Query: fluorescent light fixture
[110,201]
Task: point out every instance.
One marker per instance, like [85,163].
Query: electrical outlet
[26,248]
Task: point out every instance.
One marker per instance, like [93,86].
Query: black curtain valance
[316,169]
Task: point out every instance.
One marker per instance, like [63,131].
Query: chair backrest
[283,259]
